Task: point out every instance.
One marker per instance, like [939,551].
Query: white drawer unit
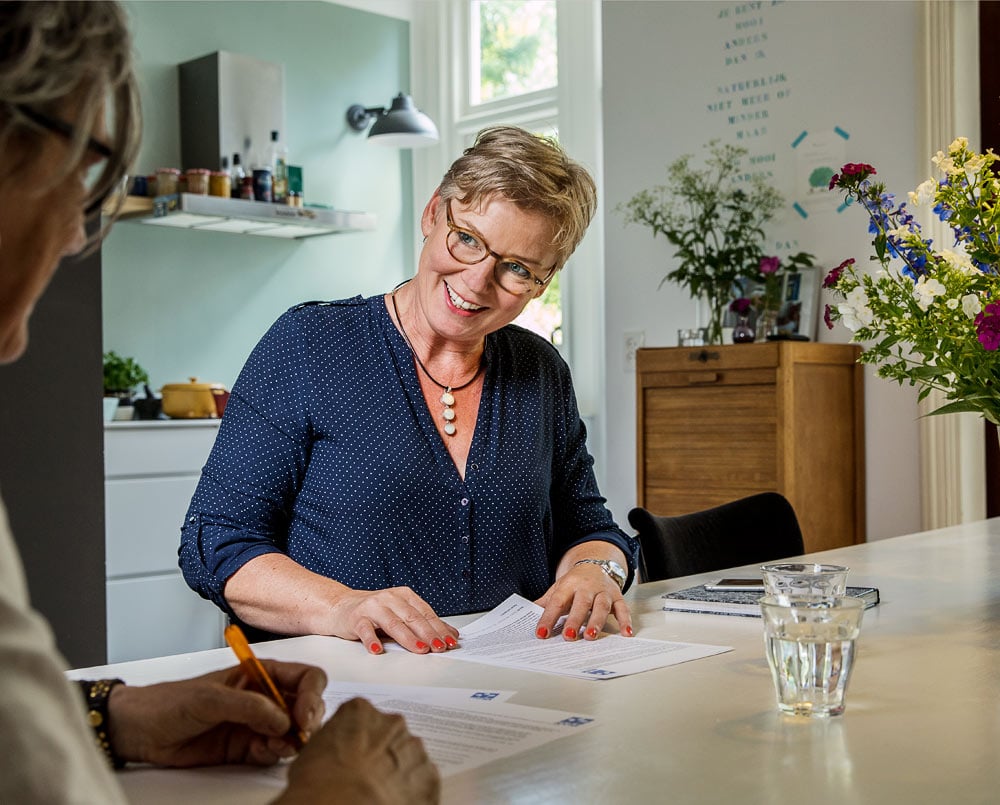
[150,472]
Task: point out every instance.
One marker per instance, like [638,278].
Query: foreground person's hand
[362,755]
[214,718]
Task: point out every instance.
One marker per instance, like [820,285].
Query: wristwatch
[612,568]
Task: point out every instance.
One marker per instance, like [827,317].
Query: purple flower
[740,306]
[988,327]
[834,181]
[828,316]
[769,265]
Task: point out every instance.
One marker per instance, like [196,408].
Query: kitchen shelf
[239,216]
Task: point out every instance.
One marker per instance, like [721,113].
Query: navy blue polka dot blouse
[328,452]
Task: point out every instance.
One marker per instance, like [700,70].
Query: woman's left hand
[586,595]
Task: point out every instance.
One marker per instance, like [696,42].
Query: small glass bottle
[278,159]
[219,184]
[166,181]
[238,175]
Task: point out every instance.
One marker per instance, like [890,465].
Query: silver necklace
[447,398]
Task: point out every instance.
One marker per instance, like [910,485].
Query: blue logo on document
[574,721]
[486,696]
[598,672]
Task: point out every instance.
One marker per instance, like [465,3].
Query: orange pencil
[253,668]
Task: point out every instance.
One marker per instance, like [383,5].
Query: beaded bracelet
[96,694]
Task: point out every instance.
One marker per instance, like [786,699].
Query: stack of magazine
[739,602]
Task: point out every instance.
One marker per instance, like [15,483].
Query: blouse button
[465,501]
[465,538]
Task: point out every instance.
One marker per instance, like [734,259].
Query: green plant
[122,375]
[932,316]
[715,217]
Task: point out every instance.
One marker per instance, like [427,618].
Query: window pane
[544,315]
[516,43]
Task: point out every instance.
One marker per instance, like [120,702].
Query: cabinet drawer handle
[704,377]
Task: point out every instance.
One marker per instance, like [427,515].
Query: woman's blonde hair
[531,171]
[59,54]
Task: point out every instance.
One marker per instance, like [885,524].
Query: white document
[478,731]
[505,636]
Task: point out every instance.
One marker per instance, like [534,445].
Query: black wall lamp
[403,126]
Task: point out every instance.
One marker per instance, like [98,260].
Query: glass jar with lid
[197,181]
[166,181]
[219,184]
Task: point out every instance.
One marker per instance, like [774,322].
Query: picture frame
[799,310]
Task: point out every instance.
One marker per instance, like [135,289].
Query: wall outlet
[633,340]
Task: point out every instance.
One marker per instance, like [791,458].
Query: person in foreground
[62,65]
[384,462]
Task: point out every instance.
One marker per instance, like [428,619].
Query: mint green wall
[194,303]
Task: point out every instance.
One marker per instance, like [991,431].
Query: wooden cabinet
[150,473]
[721,422]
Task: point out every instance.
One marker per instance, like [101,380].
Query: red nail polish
[570,633]
[451,641]
[375,648]
[421,645]
[437,644]
[628,630]
[542,632]
[592,633]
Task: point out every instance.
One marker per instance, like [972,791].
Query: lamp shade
[403,126]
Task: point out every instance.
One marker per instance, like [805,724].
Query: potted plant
[121,377]
[714,216]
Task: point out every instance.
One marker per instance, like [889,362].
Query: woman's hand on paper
[586,595]
[398,613]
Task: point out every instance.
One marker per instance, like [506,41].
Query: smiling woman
[384,462]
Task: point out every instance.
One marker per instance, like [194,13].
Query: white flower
[971,305]
[943,163]
[958,144]
[854,311]
[952,303]
[926,290]
[924,193]
[958,261]
[974,165]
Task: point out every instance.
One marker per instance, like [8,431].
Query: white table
[922,723]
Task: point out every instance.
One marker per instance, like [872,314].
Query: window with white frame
[509,50]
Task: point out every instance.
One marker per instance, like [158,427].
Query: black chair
[751,530]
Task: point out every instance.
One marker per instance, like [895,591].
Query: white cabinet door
[143,519]
[152,617]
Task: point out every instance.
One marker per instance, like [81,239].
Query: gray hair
[53,54]
[534,173]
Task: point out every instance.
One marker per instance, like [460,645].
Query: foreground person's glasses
[469,248]
[96,173]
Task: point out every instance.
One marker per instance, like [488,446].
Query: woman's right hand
[398,613]
[362,755]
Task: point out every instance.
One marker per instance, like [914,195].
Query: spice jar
[219,184]
[197,181]
[166,181]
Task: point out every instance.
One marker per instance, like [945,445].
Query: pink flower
[833,277]
[769,265]
[861,169]
[988,327]
[828,317]
[833,181]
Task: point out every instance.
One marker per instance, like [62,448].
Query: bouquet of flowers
[931,316]
[765,288]
[714,217]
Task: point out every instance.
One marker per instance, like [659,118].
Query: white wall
[851,66]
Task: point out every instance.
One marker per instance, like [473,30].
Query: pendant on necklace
[448,400]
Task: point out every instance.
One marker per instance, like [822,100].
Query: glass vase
[767,320]
[743,332]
